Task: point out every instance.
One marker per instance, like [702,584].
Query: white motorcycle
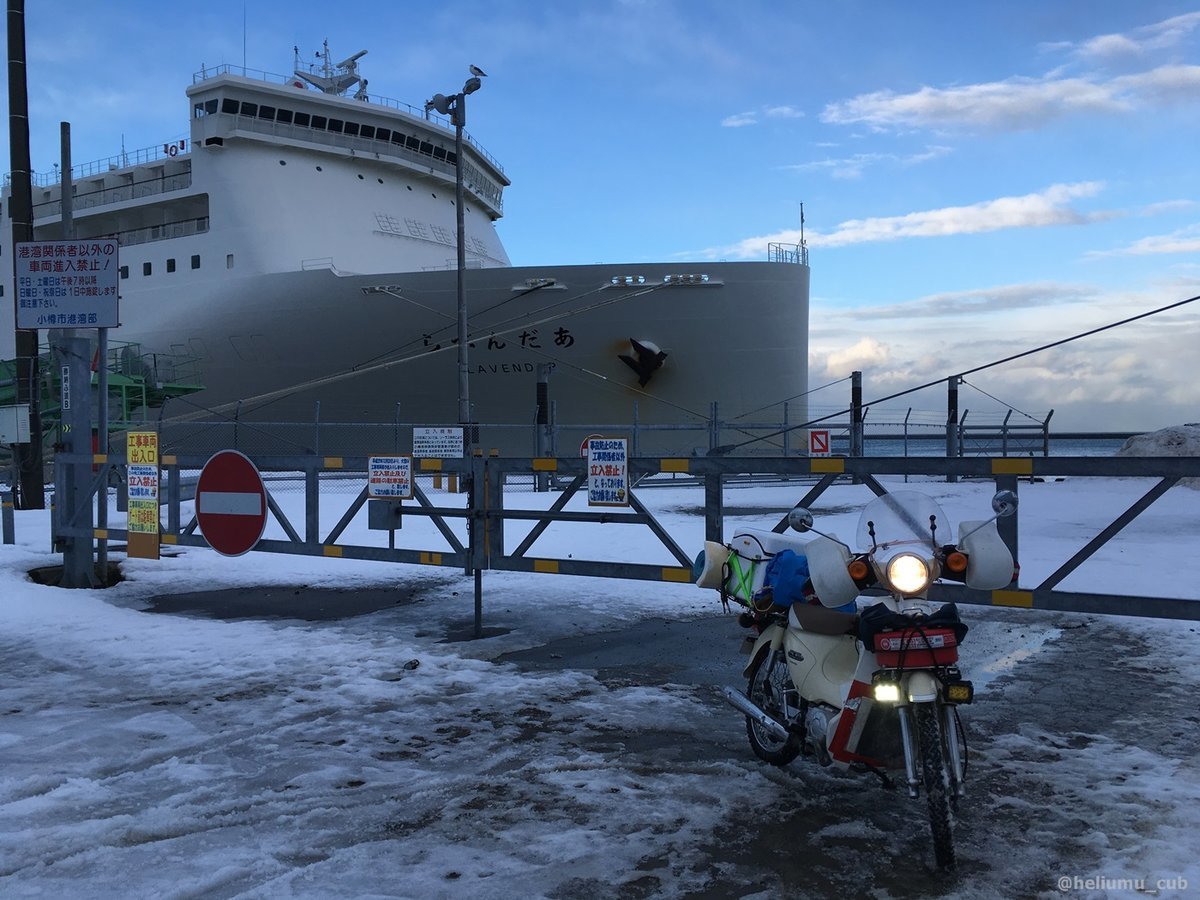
[871,690]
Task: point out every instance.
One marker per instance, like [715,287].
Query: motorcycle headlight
[908,573]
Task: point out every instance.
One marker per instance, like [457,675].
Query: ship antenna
[802,244]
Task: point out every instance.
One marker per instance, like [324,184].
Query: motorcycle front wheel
[769,680]
[933,770]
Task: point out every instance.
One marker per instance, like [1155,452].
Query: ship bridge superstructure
[231,103]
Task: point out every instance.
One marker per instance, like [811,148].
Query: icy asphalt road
[617,771]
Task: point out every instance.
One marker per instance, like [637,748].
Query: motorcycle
[875,690]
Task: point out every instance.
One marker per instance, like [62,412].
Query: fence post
[714,428]
[952,435]
[6,517]
[786,431]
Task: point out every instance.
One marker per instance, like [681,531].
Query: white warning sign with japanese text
[67,284]
[608,471]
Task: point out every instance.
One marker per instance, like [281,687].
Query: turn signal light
[956,562]
[858,569]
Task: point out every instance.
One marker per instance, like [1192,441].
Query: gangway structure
[138,382]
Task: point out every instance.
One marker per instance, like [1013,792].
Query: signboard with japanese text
[608,472]
[818,443]
[443,442]
[67,284]
[141,456]
[390,477]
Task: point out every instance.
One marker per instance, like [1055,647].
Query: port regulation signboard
[231,503]
[67,284]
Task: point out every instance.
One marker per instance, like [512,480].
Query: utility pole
[30,487]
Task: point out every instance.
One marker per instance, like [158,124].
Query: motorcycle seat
[821,620]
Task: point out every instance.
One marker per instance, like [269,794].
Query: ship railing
[787,253]
[166,231]
[419,112]
[119,194]
[475,180]
[108,164]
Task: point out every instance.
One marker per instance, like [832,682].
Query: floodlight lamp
[441,103]
[472,85]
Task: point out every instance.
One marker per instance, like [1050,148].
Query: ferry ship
[301,243]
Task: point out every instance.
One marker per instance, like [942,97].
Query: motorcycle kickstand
[885,780]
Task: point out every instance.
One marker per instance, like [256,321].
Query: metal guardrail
[486,513]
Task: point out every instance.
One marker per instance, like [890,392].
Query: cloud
[1016,103]
[1039,210]
[1132,377]
[753,117]
[867,353]
[852,167]
[1183,240]
[1159,36]
[740,120]
[1004,298]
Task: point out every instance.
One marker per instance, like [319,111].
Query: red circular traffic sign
[231,503]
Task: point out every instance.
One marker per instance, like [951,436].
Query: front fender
[920,687]
[771,639]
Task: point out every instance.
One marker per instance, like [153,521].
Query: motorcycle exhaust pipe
[739,702]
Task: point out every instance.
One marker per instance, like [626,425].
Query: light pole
[455,106]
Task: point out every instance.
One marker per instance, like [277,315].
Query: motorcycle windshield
[903,517]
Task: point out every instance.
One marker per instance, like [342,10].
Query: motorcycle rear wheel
[933,770]
[768,680]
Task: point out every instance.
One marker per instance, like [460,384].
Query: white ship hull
[236,249]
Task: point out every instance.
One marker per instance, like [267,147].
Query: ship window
[124,271]
[398,138]
[198,111]
[170,265]
[284,116]
[426,148]
[249,109]
[439,152]
[196,261]
[351,127]
[266,112]
[318,122]
[229,260]
[451,158]
[336,125]
[383,134]
[412,143]
[367,131]
[146,268]
[229,106]
[210,106]
[301,119]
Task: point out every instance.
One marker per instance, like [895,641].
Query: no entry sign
[231,503]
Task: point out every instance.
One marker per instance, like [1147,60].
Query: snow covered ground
[146,754]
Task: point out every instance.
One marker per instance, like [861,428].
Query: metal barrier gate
[485,514]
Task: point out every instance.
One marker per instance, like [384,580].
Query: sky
[182,755]
[977,179]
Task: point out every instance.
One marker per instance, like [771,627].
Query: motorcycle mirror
[800,519]
[1004,503]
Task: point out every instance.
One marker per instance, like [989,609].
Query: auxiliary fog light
[908,573]
[960,692]
[887,692]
